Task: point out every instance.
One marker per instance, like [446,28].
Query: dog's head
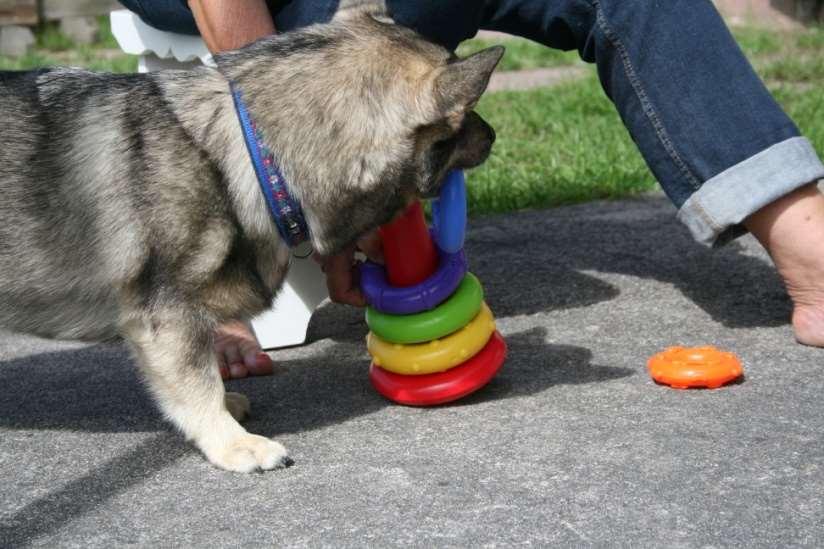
[364,115]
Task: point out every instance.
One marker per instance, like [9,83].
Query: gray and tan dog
[129,205]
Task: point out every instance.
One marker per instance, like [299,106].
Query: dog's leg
[181,371]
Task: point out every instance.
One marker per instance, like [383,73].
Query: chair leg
[286,323]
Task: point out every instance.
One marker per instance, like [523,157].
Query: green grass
[50,38]
[521,54]
[567,144]
[76,58]
[757,41]
[794,73]
[798,57]
[806,107]
[105,37]
[55,49]
[812,40]
[795,69]
[555,146]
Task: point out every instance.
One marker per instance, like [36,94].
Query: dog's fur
[129,205]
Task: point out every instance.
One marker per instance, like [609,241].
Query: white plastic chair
[305,288]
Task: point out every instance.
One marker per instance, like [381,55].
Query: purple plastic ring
[413,299]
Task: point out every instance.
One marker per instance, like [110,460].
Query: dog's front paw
[238,405]
[247,453]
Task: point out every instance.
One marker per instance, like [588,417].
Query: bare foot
[792,231]
[239,353]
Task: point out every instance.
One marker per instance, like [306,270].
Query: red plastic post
[408,250]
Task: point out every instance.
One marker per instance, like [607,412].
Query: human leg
[447,22]
[721,147]
[176,15]
[715,139]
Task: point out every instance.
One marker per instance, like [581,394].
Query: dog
[130,205]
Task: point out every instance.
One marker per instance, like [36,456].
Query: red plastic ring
[442,387]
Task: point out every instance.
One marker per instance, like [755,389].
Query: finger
[356,295]
[371,245]
[342,291]
[341,281]
[259,364]
[231,352]
[237,370]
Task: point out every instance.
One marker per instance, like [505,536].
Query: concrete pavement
[572,444]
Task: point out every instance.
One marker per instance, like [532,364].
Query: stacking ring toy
[413,299]
[682,368]
[442,387]
[448,317]
[437,355]
[449,213]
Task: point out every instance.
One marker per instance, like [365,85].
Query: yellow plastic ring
[437,355]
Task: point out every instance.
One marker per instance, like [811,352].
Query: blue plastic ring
[449,213]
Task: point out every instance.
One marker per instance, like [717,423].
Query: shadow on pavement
[47,514]
[96,389]
[530,262]
[536,262]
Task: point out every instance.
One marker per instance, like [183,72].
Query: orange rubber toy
[692,367]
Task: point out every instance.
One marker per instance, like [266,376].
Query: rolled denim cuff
[714,212]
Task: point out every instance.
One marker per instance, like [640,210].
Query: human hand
[341,269]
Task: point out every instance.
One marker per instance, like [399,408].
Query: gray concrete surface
[571,445]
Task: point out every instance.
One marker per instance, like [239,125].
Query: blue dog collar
[285,210]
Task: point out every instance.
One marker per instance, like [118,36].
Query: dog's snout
[476,140]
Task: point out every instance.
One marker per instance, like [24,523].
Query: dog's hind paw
[248,453]
[238,405]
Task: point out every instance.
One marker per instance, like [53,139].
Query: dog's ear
[463,81]
[348,9]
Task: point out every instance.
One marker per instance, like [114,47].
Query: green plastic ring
[448,317]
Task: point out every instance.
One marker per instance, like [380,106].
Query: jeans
[709,130]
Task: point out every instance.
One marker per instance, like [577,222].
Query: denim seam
[643,98]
